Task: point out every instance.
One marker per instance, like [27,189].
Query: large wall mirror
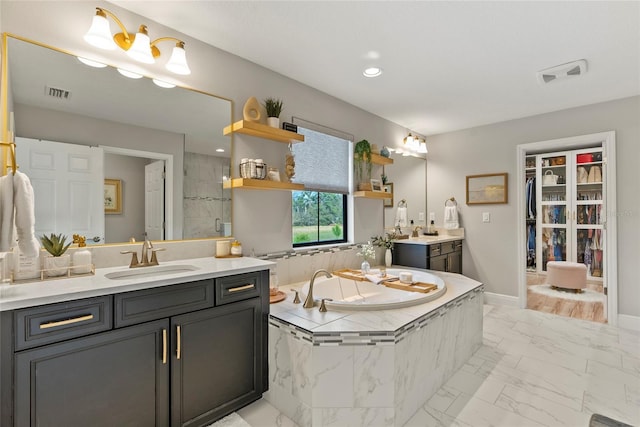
[77,126]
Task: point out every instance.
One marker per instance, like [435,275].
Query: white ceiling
[447,65]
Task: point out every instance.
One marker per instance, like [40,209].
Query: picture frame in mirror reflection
[488,188]
[388,188]
[112,196]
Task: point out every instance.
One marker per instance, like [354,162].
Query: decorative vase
[274,122]
[57,265]
[385,151]
[365,267]
[387,258]
[252,111]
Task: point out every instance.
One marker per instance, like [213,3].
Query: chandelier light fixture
[139,46]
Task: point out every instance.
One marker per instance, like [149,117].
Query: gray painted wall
[490,250]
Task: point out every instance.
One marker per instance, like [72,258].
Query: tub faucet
[308,302]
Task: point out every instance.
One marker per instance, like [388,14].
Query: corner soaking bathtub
[349,294]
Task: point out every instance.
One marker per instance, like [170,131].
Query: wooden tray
[279,296]
[348,273]
[421,287]
[229,256]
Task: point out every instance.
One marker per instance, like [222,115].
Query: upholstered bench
[567,275]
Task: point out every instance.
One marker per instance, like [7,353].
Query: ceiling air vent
[563,71]
[56,92]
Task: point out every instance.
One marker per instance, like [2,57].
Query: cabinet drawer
[239,287]
[151,304]
[46,324]
[448,247]
[435,250]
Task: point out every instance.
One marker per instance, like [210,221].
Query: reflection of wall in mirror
[41,123]
[204,198]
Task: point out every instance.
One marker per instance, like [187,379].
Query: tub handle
[296,298]
[323,307]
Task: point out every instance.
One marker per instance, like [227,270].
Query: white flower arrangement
[367,251]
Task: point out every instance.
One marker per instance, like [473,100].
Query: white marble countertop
[314,321]
[443,236]
[28,294]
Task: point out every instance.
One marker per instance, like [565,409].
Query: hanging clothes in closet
[530,192]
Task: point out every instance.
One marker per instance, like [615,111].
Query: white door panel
[68,186]
[154,200]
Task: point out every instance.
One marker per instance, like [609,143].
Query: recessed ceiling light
[372,72]
[163,84]
[91,63]
[220,150]
[129,74]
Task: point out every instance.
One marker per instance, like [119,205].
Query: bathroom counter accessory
[228,256]
[279,296]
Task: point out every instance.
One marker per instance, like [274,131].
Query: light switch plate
[486,217]
[421,216]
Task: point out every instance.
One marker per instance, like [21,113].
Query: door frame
[168,182]
[608,141]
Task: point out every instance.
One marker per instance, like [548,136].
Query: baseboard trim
[626,321]
[500,299]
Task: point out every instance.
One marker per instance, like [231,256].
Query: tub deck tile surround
[370,368]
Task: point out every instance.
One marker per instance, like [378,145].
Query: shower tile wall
[204,198]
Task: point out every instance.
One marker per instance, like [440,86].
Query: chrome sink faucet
[147,247]
[309,302]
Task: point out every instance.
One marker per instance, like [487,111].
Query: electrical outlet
[421,216]
[486,217]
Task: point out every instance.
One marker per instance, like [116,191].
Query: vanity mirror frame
[8,136]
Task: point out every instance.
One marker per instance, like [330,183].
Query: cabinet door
[410,255]
[217,362]
[438,263]
[114,378]
[454,262]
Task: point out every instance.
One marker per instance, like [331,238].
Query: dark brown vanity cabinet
[445,256]
[180,355]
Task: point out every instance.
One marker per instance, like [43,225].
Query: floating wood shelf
[263,131]
[261,184]
[377,159]
[373,194]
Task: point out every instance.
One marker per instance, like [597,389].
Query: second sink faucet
[147,247]
[309,302]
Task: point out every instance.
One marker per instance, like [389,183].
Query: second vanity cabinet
[445,256]
[179,355]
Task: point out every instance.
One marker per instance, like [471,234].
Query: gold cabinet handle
[164,346]
[241,288]
[66,322]
[178,347]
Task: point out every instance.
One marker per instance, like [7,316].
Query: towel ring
[451,202]
[402,203]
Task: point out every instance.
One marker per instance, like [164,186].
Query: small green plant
[362,155]
[55,244]
[336,230]
[273,107]
[384,241]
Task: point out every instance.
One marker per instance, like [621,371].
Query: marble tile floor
[533,369]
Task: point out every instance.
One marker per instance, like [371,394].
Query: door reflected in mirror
[176,134]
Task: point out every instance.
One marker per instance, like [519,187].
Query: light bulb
[99,35]
[178,61]
[140,50]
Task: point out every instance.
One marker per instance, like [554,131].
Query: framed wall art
[112,196]
[488,188]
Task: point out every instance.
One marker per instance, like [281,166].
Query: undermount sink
[156,270]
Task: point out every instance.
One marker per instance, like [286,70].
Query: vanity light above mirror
[138,47]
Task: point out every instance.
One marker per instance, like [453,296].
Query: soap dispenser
[432,228]
[81,259]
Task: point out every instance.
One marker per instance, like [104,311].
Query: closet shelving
[570,214]
[266,132]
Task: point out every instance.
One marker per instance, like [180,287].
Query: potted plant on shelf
[274,108]
[58,263]
[362,159]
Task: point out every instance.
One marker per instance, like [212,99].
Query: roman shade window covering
[322,162]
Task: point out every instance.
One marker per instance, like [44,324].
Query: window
[319,214]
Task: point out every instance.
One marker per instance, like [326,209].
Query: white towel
[451,217]
[6,213]
[25,218]
[401,217]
